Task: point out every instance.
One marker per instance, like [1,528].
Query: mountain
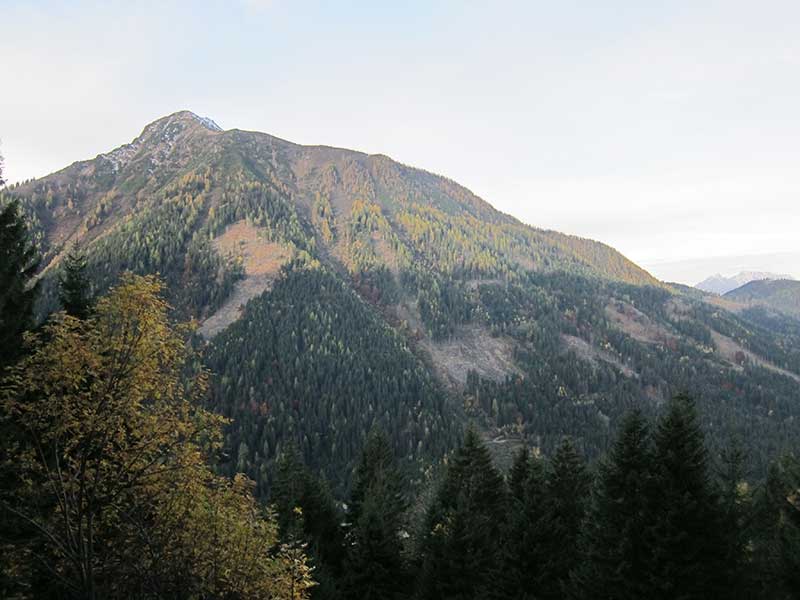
[719,284]
[782,295]
[337,292]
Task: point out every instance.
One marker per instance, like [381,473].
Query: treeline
[658,517]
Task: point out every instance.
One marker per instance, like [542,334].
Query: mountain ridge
[340,291]
[719,284]
[782,295]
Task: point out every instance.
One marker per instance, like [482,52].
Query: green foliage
[526,536]
[777,543]
[461,544]
[375,567]
[309,518]
[688,545]
[310,363]
[567,494]
[18,265]
[616,538]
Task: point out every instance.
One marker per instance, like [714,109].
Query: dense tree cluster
[310,363]
[659,516]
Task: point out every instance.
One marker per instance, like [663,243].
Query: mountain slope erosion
[339,291]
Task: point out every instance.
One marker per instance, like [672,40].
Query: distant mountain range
[339,291]
[719,284]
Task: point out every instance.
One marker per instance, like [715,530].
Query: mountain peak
[719,284]
[183,117]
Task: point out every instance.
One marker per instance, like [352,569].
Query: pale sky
[669,130]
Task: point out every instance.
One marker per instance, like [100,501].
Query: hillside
[338,291]
[782,295]
[719,284]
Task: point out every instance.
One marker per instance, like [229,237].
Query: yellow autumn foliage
[107,491]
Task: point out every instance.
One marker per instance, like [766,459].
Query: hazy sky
[670,130]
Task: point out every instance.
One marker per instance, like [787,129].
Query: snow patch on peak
[206,122]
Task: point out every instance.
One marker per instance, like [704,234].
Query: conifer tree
[375,565]
[518,475]
[615,535]
[18,265]
[74,285]
[686,519]
[525,538]
[308,516]
[737,514]
[461,543]
[777,532]
[567,494]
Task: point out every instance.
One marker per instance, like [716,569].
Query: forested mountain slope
[779,294]
[379,294]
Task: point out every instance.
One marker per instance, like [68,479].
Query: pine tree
[615,535]
[74,285]
[461,543]
[375,568]
[686,518]
[18,265]
[567,494]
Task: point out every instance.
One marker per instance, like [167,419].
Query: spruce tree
[525,538]
[374,568]
[615,536]
[567,493]
[307,516]
[18,265]
[461,543]
[74,286]
[688,550]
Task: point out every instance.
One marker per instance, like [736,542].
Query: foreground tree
[464,525]
[309,518]
[615,537]
[777,539]
[375,568]
[107,460]
[526,537]
[736,503]
[688,548]
[18,265]
[567,493]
